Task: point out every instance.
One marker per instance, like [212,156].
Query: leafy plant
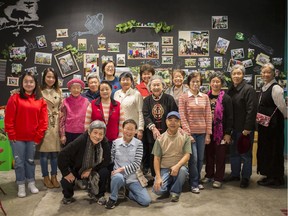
[75,52]
[6,52]
[132,24]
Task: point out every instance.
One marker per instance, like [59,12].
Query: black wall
[265,19]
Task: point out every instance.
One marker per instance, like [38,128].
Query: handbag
[262,119]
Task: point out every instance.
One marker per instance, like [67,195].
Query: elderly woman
[146,72]
[244,103]
[178,88]
[155,108]
[270,158]
[195,112]
[108,70]
[131,101]
[93,82]
[86,158]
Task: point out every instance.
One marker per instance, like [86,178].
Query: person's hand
[246,132]
[63,140]
[140,134]
[119,170]
[207,139]
[158,183]
[227,138]
[86,174]
[156,133]
[174,170]
[70,178]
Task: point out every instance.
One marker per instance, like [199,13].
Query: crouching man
[171,154]
[87,157]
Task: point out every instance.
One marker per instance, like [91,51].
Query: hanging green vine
[132,24]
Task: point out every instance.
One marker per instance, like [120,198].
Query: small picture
[77,76]
[277,61]
[237,53]
[120,60]
[167,50]
[204,62]
[258,83]
[248,78]
[283,84]
[204,88]
[143,50]
[16,69]
[165,74]
[41,41]
[60,82]
[106,58]
[66,63]
[90,64]
[167,59]
[231,63]
[219,22]
[167,40]
[113,47]
[32,70]
[247,63]
[61,33]
[43,58]
[262,59]
[57,45]
[218,62]
[251,53]
[18,53]
[82,45]
[101,41]
[12,81]
[221,45]
[190,63]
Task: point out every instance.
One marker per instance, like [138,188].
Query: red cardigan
[26,119]
[143,89]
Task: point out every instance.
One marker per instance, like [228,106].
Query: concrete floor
[230,200]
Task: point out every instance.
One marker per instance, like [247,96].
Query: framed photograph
[32,70]
[167,50]
[41,41]
[247,63]
[16,68]
[106,58]
[61,33]
[43,58]
[113,47]
[90,64]
[60,82]
[12,81]
[204,62]
[251,53]
[82,45]
[57,45]
[277,61]
[143,50]
[18,53]
[221,45]
[231,63]
[167,59]
[218,62]
[204,88]
[101,41]
[262,59]
[120,60]
[66,63]
[283,84]
[167,40]
[219,22]
[193,43]
[190,63]
[258,83]
[165,73]
[237,53]
[248,78]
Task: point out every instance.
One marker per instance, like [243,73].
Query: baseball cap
[173,113]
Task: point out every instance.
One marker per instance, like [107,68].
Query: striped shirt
[195,113]
[128,156]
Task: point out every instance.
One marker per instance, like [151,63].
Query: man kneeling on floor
[87,157]
[171,153]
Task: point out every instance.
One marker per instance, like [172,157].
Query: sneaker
[82,184]
[174,198]
[195,190]
[33,188]
[206,180]
[67,201]
[21,191]
[102,200]
[201,187]
[217,184]
[110,204]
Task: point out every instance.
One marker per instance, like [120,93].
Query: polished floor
[230,200]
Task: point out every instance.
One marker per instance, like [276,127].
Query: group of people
[117,129]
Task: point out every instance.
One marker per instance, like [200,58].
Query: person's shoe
[110,204]
[244,183]
[82,184]
[67,201]
[174,198]
[217,184]
[195,190]
[33,189]
[101,201]
[47,182]
[231,178]
[201,187]
[206,180]
[54,181]
[21,191]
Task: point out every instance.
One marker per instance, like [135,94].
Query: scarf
[218,118]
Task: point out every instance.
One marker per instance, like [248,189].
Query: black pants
[68,188]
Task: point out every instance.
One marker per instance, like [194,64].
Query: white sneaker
[195,190]
[201,187]
[33,188]
[217,184]
[21,191]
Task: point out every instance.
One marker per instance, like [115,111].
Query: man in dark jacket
[87,157]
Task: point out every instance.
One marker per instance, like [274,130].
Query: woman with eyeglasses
[108,70]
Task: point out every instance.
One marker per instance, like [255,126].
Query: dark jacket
[228,114]
[244,106]
[71,157]
[90,95]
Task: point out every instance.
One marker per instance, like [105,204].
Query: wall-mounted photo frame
[18,53]
[190,63]
[221,45]
[31,70]
[237,53]
[82,44]
[247,63]
[90,64]
[167,59]
[204,62]
[66,63]
[167,40]
[16,68]
[258,83]
[12,81]
[61,33]
[43,58]
[113,47]
[219,22]
[120,60]
[57,45]
[143,50]
[101,41]
[167,50]
[218,62]
[41,41]
[165,73]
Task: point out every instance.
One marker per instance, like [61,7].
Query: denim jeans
[172,184]
[196,159]
[136,191]
[24,153]
[44,162]
[236,158]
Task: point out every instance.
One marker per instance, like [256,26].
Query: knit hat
[75,80]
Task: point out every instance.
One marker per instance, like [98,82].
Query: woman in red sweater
[26,120]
